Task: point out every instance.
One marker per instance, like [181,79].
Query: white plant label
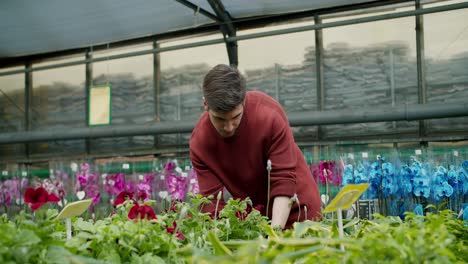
[126,166]
[418,152]
[365,155]
[74,166]
[80,195]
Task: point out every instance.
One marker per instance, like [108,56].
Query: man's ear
[205,105]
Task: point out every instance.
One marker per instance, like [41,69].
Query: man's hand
[280,213]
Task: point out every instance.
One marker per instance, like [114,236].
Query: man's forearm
[280,213]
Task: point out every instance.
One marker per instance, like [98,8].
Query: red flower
[173,207]
[122,197]
[172,229]
[37,197]
[141,196]
[141,212]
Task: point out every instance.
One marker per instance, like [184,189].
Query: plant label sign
[74,209]
[346,197]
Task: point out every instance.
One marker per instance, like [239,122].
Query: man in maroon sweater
[232,142]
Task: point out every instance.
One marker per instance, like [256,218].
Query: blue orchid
[465,165]
[360,174]
[443,189]
[375,177]
[418,210]
[407,176]
[389,186]
[462,176]
[422,191]
[348,176]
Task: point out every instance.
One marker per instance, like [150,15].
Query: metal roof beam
[310,118]
[247,36]
[227,28]
[200,10]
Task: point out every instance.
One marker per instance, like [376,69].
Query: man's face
[226,123]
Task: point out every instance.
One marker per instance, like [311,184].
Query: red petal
[35,206]
[122,197]
[180,236]
[133,212]
[53,198]
[29,195]
[148,212]
[141,196]
[41,195]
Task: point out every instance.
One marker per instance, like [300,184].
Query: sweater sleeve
[283,158]
[208,183]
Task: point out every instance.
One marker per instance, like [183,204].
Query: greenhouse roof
[48,26]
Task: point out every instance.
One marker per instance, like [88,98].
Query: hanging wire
[92,54]
[11,101]
[21,109]
[107,64]
[451,42]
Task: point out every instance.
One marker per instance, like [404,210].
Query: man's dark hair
[224,88]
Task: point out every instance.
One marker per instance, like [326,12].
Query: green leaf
[353,222]
[60,255]
[146,258]
[51,214]
[110,255]
[297,254]
[26,238]
[218,247]
[130,227]
[84,226]
[270,232]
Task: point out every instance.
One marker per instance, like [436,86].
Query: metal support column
[28,84]
[157,89]
[228,30]
[89,83]
[422,91]
[319,71]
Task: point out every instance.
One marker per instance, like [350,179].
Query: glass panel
[58,104]
[446,47]
[182,73]
[376,69]
[132,96]
[11,110]
[284,67]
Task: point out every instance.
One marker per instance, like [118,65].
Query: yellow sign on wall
[100,105]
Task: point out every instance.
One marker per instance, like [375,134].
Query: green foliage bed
[185,235]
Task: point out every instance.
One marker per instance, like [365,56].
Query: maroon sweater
[239,162]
